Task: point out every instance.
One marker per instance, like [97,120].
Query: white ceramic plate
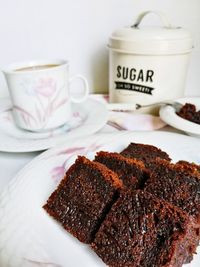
[88,118]
[29,237]
[168,115]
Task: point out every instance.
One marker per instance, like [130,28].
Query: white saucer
[168,115]
[8,126]
[87,118]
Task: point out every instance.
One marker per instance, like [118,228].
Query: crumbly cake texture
[131,171]
[144,152]
[189,166]
[143,231]
[189,112]
[175,184]
[178,184]
[83,198]
[101,203]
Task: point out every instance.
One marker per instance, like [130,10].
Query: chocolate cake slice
[83,198]
[131,171]
[144,152]
[143,231]
[178,186]
[175,184]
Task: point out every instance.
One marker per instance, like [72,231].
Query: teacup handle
[85,85]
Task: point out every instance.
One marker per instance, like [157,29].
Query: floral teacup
[40,93]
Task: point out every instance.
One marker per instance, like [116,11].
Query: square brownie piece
[143,231]
[131,171]
[176,184]
[144,152]
[83,198]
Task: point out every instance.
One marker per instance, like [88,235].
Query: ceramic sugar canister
[148,64]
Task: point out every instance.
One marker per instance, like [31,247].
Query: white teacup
[40,93]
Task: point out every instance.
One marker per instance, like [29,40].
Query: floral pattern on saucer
[8,125]
[88,118]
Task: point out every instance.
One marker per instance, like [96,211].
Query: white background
[78,30]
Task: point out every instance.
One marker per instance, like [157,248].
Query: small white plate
[87,118]
[29,237]
[168,115]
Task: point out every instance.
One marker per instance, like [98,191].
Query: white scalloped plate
[168,115]
[92,114]
[29,237]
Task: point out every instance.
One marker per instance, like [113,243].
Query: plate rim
[98,136]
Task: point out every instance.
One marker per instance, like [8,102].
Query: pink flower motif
[8,117]
[71,151]
[58,173]
[46,87]
[76,114]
